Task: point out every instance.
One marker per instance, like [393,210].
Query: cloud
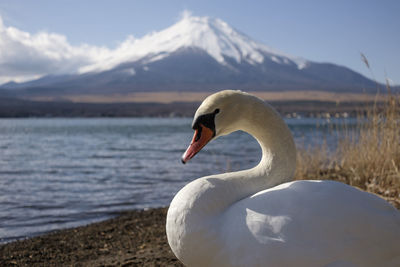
[25,56]
[185,14]
[104,59]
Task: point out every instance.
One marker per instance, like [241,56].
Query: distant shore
[173,97]
[178,105]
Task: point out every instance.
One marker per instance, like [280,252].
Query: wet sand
[136,238]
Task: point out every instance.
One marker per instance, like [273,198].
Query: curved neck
[277,164]
[278,161]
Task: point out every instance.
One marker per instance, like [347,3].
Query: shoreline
[180,104]
[134,238]
[198,96]
[17,108]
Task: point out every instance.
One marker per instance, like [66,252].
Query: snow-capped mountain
[213,36]
[196,54]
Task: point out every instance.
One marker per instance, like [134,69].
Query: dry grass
[367,157]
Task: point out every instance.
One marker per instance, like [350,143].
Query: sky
[53,37]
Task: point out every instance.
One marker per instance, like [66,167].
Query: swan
[260,217]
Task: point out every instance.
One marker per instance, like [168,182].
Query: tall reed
[367,157]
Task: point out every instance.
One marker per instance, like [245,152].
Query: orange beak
[201,137]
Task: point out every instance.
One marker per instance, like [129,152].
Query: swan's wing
[310,223]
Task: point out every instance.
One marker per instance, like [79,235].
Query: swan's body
[258,217]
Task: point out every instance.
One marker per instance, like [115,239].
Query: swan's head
[219,114]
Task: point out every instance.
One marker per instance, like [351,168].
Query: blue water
[60,173]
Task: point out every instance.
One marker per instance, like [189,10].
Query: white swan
[257,218]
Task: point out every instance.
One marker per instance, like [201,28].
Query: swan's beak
[201,137]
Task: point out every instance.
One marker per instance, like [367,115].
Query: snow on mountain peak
[217,38]
[214,36]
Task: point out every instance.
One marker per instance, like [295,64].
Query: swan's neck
[277,164]
[278,161]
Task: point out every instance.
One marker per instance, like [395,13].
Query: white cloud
[104,58]
[25,56]
[185,14]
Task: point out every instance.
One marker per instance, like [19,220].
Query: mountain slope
[196,54]
[214,36]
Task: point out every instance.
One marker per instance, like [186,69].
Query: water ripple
[58,173]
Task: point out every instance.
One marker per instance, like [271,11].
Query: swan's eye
[206,120]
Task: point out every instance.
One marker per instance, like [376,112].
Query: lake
[61,173]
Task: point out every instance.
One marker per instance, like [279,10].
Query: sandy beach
[136,238]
